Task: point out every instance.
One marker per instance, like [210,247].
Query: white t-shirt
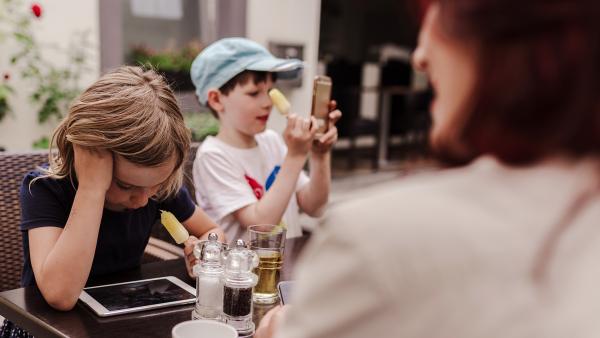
[452,254]
[229,178]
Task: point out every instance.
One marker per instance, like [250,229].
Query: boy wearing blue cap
[247,174]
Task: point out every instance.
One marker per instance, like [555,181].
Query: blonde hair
[130,112]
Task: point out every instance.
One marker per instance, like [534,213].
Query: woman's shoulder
[436,182]
[417,223]
[431,201]
[485,198]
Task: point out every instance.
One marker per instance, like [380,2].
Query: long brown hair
[538,90]
[131,112]
[538,78]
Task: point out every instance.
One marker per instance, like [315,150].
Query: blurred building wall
[60,19]
[267,21]
[288,22]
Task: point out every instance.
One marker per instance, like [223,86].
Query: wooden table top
[27,308]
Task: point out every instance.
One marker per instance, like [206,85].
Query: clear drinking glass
[268,242]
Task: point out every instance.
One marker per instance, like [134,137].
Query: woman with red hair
[505,245]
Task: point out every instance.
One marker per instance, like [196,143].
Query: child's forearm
[200,225]
[63,272]
[271,207]
[313,198]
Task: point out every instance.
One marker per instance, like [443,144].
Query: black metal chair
[347,90]
[409,110]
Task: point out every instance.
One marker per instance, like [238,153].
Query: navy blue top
[122,237]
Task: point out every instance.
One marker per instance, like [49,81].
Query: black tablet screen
[136,294]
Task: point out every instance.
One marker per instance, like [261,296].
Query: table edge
[35,326]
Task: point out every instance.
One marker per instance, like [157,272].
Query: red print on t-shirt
[258,189]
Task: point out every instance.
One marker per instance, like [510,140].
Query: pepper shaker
[238,283]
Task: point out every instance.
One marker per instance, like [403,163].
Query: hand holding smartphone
[320,102]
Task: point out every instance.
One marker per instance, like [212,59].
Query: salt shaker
[239,280]
[209,279]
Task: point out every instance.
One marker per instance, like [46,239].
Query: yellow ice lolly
[280,102]
[176,229]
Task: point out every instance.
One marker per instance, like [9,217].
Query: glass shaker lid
[208,252]
[239,262]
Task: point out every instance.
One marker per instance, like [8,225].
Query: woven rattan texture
[13,167]
[188,166]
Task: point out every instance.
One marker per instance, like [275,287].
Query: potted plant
[202,124]
[174,64]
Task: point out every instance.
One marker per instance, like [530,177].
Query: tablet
[147,294]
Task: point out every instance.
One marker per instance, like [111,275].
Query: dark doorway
[354,29]
[379,36]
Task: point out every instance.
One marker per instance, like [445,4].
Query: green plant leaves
[54,87]
[202,125]
[42,143]
[5,91]
[179,60]
[4,107]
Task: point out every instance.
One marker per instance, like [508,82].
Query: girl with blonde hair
[119,159]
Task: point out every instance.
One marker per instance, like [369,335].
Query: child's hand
[188,251]
[327,140]
[299,134]
[94,168]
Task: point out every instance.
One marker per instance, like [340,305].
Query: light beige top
[451,255]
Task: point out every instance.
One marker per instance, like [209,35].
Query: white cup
[203,329]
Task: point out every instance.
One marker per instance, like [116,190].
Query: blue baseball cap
[226,58]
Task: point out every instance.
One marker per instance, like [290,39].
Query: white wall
[294,22]
[59,20]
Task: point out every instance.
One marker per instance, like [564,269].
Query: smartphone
[285,288]
[320,102]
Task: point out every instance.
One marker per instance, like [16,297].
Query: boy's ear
[214,100]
